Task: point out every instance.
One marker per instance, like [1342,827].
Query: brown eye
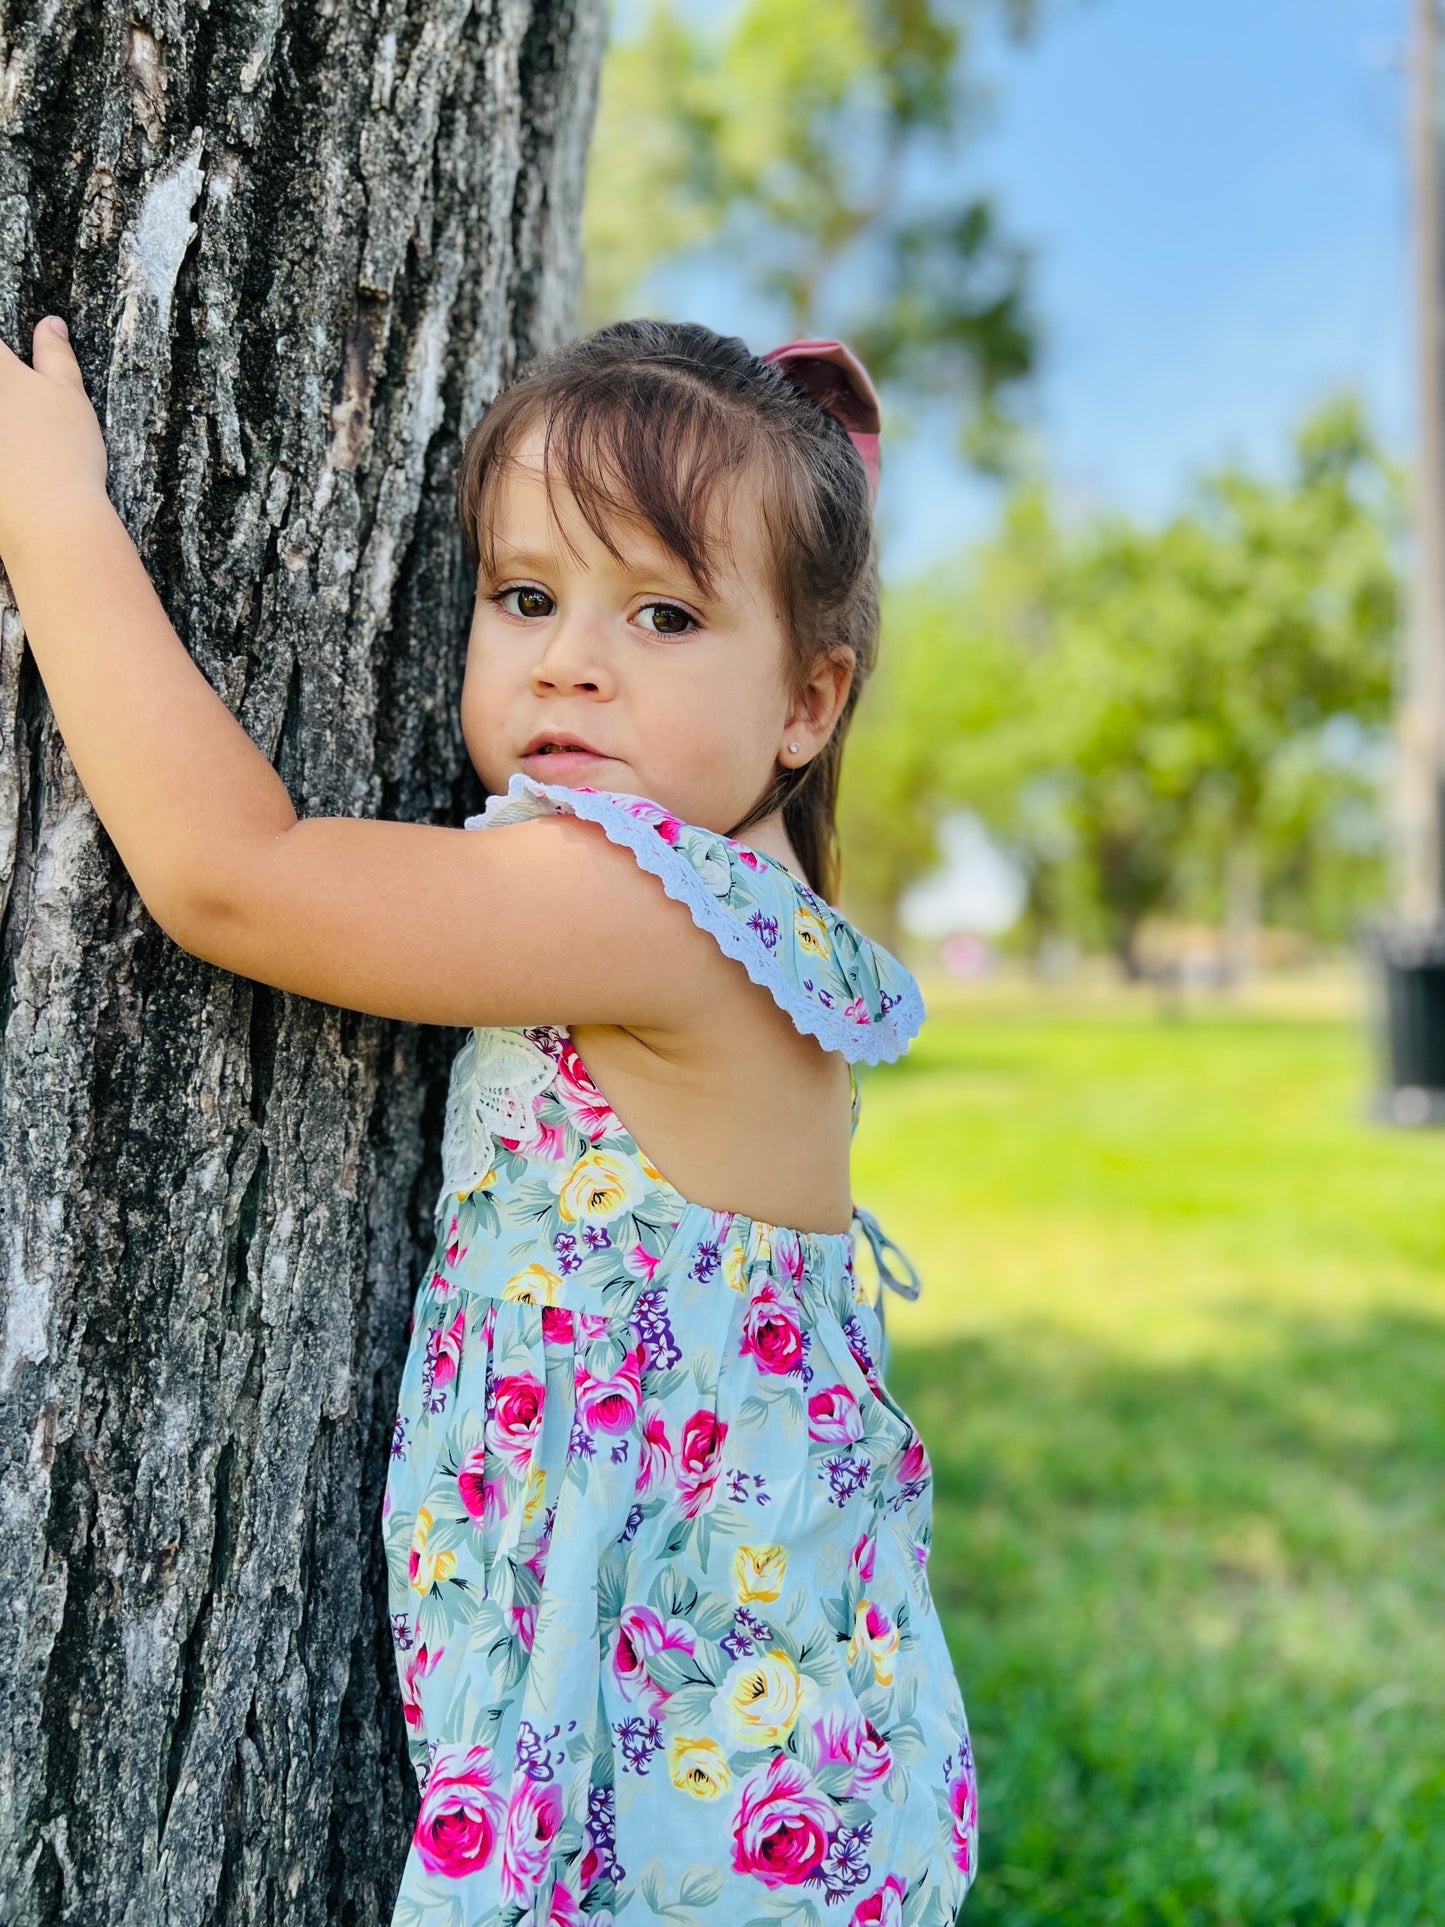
[529,595]
[671,620]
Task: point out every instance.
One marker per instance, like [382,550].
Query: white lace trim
[495,1077]
[879,1042]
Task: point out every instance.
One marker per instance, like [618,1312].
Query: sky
[1217,199]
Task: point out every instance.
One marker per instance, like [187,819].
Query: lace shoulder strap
[836,984]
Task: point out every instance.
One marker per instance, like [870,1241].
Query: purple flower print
[629,1530]
[569,1258]
[639,1738]
[846,1476]
[401,1632]
[845,1865]
[602,1831]
[535,1757]
[766,927]
[398,1438]
[738,1483]
[749,1632]
[597,1237]
[858,1344]
[653,1330]
[705,1261]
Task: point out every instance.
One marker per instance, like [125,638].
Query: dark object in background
[1412,1026]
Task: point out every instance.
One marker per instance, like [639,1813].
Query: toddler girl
[655,1529]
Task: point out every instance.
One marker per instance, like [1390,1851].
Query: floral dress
[656,1532]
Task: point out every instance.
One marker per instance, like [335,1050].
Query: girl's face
[637,680]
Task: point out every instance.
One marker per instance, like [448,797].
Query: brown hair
[642,420]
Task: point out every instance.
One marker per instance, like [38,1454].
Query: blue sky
[1218,200]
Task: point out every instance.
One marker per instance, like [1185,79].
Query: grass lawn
[1180,1365]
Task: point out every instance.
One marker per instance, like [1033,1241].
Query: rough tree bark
[300,246]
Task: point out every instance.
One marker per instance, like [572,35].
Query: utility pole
[1412,948]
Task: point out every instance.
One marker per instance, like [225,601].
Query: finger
[51,353]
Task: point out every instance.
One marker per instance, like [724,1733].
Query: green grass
[1180,1364]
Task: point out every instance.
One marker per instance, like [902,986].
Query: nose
[573,657]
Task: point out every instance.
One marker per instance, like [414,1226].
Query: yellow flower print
[758,1572]
[599,1185]
[482,1184]
[428,1569]
[649,1169]
[875,1634]
[759,1702]
[534,1493]
[699,1767]
[811,932]
[533,1286]
[735,1264]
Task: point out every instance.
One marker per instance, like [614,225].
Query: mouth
[544,746]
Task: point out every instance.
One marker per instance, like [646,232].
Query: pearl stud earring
[793,747]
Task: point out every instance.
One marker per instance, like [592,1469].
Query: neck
[771,837]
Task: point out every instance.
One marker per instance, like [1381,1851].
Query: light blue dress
[656,1531]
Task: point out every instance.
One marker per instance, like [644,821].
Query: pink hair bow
[837,380]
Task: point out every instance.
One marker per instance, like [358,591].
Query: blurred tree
[1188,719]
[790,135]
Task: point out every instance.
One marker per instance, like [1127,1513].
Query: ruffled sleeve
[836,984]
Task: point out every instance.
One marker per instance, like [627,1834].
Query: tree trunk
[299,248]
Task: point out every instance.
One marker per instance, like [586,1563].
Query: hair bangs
[647,447]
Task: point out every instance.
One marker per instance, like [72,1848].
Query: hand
[52,453]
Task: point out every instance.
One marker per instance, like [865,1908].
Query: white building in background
[977,892]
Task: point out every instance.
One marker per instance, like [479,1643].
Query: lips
[543,744]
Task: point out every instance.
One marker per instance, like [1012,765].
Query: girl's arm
[541,922]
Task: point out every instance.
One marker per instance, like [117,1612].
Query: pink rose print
[461,1812]
[455,1248]
[482,1498]
[771,1333]
[846,1738]
[417,1667]
[642,1263]
[654,1450]
[883,1909]
[963,1804]
[744,855]
[564,1911]
[534,1815]
[667,826]
[524,1625]
[515,1423]
[834,1417]
[913,1467]
[610,1404]
[783,1825]
[699,1462]
[584,1103]
[556,1325]
[449,1350]
[863,1558]
[788,1255]
[857,1012]
[641,1636]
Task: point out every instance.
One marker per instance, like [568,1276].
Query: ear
[815,709]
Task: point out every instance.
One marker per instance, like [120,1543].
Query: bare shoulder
[540,922]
